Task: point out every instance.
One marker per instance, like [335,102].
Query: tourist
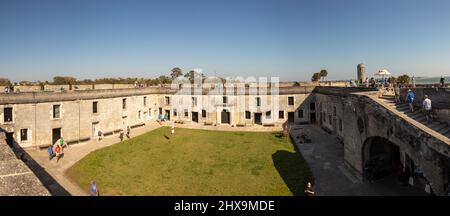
[441,81]
[58,151]
[397,93]
[173,127]
[368,171]
[367,82]
[62,143]
[121,135]
[410,99]
[428,189]
[100,134]
[50,152]
[6,89]
[413,82]
[93,190]
[309,190]
[426,106]
[128,132]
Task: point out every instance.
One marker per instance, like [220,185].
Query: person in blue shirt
[50,152]
[410,99]
[94,190]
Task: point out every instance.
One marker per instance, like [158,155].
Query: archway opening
[381,158]
[389,169]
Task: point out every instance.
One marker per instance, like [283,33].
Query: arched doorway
[389,169]
[381,158]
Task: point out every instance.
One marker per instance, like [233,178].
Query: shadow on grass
[293,170]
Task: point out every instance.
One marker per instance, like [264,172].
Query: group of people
[370,82]
[9,89]
[56,149]
[128,133]
[426,103]
[163,118]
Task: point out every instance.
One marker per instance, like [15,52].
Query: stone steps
[417,115]
[443,128]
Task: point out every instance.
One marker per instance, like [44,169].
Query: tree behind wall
[176,72]
[64,80]
[403,79]
[315,77]
[5,82]
[323,73]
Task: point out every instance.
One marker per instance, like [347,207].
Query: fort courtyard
[196,162]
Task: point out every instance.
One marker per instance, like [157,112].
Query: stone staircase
[440,127]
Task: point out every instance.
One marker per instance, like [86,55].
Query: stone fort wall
[37,117]
[363,119]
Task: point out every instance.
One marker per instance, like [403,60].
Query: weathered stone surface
[16,179]
[427,148]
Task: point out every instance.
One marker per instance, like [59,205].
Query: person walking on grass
[410,99]
[426,106]
[93,190]
[173,127]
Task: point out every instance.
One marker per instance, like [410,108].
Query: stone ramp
[440,127]
[16,178]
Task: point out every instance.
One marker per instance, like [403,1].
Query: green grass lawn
[196,162]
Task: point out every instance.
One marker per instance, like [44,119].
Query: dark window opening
[186,113]
[334,111]
[174,112]
[167,100]
[8,114]
[56,111]
[24,134]
[281,114]
[224,99]
[94,107]
[258,101]
[300,113]
[124,103]
[248,115]
[268,113]
[290,101]
[203,113]
[312,106]
[145,101]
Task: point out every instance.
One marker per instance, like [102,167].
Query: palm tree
[176,72]
[323,73]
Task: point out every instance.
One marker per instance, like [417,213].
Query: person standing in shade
[426,105]
[410,99]
[309,190]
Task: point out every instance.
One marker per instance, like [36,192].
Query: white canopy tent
[383,73]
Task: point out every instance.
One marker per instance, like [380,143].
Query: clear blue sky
[290,39]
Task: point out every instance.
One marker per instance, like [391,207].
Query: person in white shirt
[426,105]
[173,127]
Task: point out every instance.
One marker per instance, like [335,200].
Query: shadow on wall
[47,180]
[293,169]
